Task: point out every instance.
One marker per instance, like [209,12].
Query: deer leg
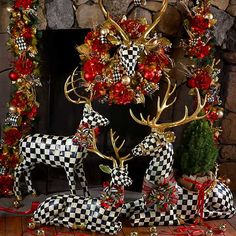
[48,212]
[151,217]
[24,166]
[28,181]
[82,179]
[71,179]
[130,208]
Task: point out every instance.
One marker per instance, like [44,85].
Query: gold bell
[134,233]
[40,232]
[209,232]
[16,204]
[222,227]
[31,225]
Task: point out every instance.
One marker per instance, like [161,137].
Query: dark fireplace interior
[58,116]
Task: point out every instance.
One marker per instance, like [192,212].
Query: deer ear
[105,169]
[87,107]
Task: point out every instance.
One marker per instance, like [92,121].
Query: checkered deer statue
[95,214]
[164,202]
[129,50]
[58,151]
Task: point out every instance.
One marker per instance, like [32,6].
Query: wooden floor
[17,226]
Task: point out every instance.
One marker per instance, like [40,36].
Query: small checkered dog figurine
[95,214]
[58,151]
[218,201]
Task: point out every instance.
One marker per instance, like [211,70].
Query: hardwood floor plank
[232,221]
[2,226]
[13,226]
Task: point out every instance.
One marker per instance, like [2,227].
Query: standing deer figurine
[95,214]
[218,201]
[58,151]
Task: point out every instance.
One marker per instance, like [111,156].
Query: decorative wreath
[121,62]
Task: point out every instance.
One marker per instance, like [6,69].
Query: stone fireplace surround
[67,17]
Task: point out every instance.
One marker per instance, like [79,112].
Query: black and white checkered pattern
[138,3]
[218,202]
[129,56]
[116,74]
[70,211]
[103,38]
[11,120]
[56,151]
[21,43]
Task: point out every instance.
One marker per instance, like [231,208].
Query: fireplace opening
[58,116]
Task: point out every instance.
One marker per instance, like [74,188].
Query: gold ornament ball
[220,114]
[153,229]
[134,233]
[31,225]
[222,227]
[104,31]
[154,234]
[12,109]
[209,16]
[209,232]
[40,232]
[125,80]
[227,181]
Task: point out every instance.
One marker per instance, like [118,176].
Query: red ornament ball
[13,76]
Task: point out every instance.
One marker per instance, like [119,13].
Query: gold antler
[117,149]
[155,22]
[121,160]
[160,107]
[70,87]
[119,29]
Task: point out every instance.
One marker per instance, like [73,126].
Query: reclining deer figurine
[58,151]
[95,214]
[218,201]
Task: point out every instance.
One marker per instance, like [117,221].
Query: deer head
[119,173]
[90,117]
[159,132]
[129,50]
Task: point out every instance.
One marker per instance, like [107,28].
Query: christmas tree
[198,152]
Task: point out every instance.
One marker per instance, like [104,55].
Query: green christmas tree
[198,152]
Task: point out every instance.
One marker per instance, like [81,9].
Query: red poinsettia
[32,113]
[24,65]
[201,80]
[199,50]
[27,32]
[11,136]
[199,24]
[133,27]
[25,4]
[92,68]
[119,94]
[19,100]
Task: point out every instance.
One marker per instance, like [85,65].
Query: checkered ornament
[21,43]
[116,73]
[12,120]
[129,56]
[139,3]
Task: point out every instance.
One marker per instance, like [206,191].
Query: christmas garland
[115,78]
[24,77]
[203,74]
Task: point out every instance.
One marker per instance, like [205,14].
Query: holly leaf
[113,40]
[105,169]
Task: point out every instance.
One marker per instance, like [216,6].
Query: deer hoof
[34,194]
[17,204]
[18,198]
